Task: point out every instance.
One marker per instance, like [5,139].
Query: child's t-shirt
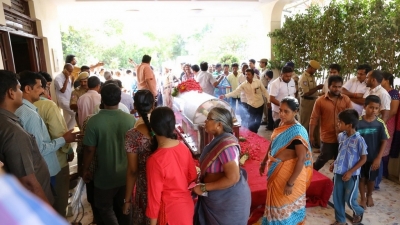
[374,133]
[350,150]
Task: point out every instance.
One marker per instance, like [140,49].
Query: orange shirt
[327,111]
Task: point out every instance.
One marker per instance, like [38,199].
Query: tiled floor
[385,212]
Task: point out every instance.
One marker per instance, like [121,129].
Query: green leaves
[345,32]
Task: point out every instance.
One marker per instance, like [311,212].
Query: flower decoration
[189,85]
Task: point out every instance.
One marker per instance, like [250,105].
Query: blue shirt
[350,151]
[33,123]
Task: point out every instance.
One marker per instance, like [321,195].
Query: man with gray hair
[107,75]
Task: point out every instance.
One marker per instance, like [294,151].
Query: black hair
[8,80]
[43,81]
[335,66]
[349,116]
[85,68]
[372,98]
[218,65]
[292,102]
[365,67]
[252,60]
[287,69]
[111,82]
[128,71]
[46,76]
[250,70]
[162,121]
[69,58]
[28,78]
[93,82]
[110,95]
[235,65]
[270,74]
[118,83]
[334,78]
[226,65]
[204,66]
[146,59]
[377,75]
[389,77]
[195,68]
[143,102]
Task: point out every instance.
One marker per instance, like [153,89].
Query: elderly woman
[224,195]
[289,168]
[170,170]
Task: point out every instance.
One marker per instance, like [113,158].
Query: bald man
[63,86]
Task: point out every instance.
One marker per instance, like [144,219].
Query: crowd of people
[137,172]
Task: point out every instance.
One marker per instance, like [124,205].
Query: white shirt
[382,94]
[87,104]
[127,100]
[280,89]
[206,81]
[58,84]
[355,86]
[325,89]
[254,92]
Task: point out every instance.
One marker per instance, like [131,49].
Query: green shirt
[106,130]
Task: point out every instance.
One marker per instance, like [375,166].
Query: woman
[138,149]
[188,74]
[289,168]
[387,83]
[224,195]
[170,170]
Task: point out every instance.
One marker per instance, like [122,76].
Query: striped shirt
[33,123]
[19,207]
[229,154]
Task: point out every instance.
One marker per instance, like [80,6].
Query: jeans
[346,192]
[109,203]
[255,117]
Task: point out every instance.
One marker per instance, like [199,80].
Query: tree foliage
[345,32]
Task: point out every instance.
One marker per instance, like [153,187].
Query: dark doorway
[21,52]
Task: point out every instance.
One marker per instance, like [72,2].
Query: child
[375,134]
[352,155]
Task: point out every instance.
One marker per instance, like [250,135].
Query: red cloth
[169,173]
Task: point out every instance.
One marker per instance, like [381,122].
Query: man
[374,80]
[88,101]
[19,151]
[126,99]
[282,87]
[104,136]
[224,85]
[308,90]
[145,76]
[107,76]
[270,126]
[233,80]
[79,91]
[356,87]
[83,69]
[252,65]
[334,69]
[71,59]
[265,80]
[326,111]
[243,109]
[63,87]
[56,126]
[217,70]
[206,80]
[254,91]
[31,86]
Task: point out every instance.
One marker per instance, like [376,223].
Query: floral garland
[189,85]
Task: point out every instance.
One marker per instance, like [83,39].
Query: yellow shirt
[56,126]
[234,82]
[307,82]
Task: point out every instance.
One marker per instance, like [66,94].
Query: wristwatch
[203,187]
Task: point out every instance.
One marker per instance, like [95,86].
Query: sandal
[357,218]
[337,223]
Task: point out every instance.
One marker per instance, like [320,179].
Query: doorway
[21,52]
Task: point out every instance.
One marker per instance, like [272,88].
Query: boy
[375,134]
[352,155]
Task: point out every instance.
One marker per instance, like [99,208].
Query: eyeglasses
[209,119]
